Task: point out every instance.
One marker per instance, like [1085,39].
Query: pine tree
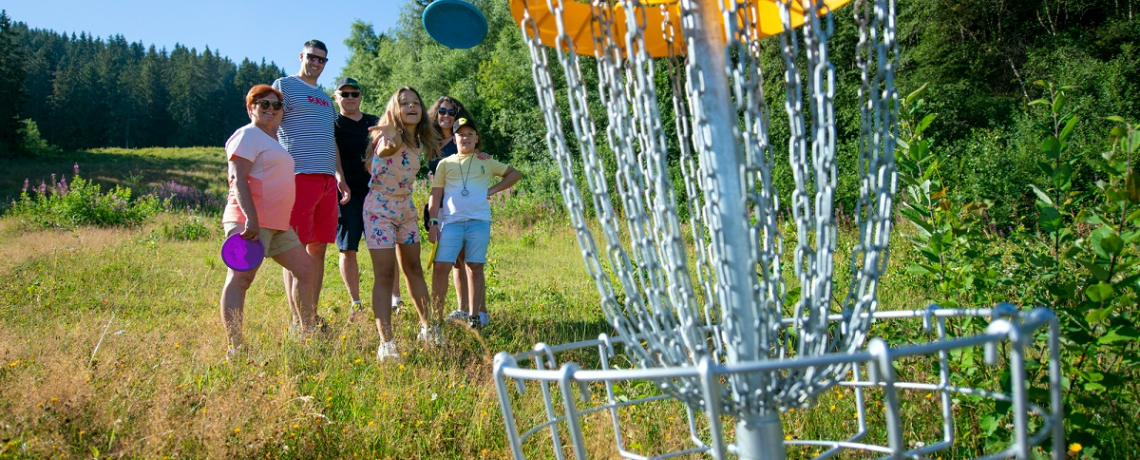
[12,75]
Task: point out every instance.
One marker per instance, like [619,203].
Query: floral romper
[390,217]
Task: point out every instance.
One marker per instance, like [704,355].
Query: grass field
[112,346]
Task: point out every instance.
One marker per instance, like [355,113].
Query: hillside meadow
[111,345]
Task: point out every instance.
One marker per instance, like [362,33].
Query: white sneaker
[458,315]
[484,319]
[430,335]
[355,312]
[386,351]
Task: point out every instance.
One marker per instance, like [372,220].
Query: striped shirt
[306,129]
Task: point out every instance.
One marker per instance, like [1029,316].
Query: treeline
[84,91]
[978,58]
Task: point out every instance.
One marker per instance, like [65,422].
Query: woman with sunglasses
[443,115]
[258,208]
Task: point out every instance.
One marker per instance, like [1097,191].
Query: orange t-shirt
[270,179]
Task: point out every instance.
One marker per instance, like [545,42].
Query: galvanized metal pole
[758,436]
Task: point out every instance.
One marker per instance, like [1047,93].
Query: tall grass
[111,345]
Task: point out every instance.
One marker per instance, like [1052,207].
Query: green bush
[186,228]
[81,203]
[1081,260]
[34,143]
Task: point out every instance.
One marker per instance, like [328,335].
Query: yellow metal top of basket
[577,19]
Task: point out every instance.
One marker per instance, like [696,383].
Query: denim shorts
[470,236]
[350,224]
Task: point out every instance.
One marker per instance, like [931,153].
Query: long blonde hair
[425,134]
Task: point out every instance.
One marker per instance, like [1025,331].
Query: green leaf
[918,269]
[925,123]
[912,96]
[1105,249]
[1112,244]
[1099,292]
[1041,195]
[1038,102]
[1120,334]
[1132,186]
[1099,272]
[1062,177]
[1115,118]
[1134,216]
[1049,219]
[1051,147]
[1069,127]
[1059,103]
[1134,141]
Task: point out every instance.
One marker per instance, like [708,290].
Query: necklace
[470,163]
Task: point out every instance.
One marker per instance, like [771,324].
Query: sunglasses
[264,104]
[448,112]
[349,94]
[313,57]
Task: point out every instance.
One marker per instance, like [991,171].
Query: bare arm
[239,179]
[433,212]
[509,178]
[341,183]
[387,143]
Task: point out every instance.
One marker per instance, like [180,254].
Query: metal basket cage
[1011,338]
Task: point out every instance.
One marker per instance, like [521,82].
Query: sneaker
[387,351]
[458,315]
[398,307]
[235,353]
[355,312]
[484,319]
[474,323]
[304,333]
[430,335]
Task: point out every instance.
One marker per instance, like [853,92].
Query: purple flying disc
[241,254]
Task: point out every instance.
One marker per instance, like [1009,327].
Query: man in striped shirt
[306,132]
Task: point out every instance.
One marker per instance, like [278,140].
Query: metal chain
[679,322]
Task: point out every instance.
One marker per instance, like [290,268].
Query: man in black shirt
[351,131]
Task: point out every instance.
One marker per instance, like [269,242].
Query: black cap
[464,122]
[346,82]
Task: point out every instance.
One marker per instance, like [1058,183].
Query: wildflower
[75,168]
[25,189]
[237,430]
[1075,447]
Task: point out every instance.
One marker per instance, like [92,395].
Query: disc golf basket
[703,311]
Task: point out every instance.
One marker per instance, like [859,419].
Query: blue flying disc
[455,23]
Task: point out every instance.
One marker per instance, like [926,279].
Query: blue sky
[274,30]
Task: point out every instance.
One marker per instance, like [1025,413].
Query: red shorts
[314,211]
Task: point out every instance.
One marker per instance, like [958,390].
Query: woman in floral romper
[391,219]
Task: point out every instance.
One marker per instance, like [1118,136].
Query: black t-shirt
[447,150]
[352,140]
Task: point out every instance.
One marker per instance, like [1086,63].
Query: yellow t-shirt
[465,179]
